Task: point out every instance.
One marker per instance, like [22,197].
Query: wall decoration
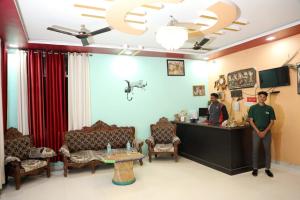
[175,67]
[245,78]
[220,84]
[132,85]
[298,79]
[199,90]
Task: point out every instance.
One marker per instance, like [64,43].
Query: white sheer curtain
[79,104]
[2,175]
[22,93]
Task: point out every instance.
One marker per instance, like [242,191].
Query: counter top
[211,126]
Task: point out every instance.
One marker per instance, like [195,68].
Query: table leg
[123,174]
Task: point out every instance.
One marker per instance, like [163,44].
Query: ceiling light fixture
[270,38]
[172,37]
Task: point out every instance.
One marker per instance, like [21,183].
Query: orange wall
[286,131]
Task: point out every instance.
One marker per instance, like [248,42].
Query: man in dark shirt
[262,119]
[217,111]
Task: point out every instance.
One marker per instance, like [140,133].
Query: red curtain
[35,87]
[4,83]
[56,101]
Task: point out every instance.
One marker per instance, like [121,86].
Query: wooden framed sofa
[22,159]
[163,139]
[81,146]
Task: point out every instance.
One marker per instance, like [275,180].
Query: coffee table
[123,164]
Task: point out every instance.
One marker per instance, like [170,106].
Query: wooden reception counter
[225,149]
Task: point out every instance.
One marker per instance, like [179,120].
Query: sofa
[81,146]
[22,158]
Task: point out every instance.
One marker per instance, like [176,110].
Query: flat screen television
[274,77]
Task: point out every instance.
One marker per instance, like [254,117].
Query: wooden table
[123,164]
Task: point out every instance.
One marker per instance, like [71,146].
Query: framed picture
[175,67]
[245,78]
[199,90]
[298,78]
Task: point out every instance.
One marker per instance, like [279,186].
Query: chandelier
[172,37]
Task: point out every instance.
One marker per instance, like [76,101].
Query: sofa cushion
[85,156]
[163,135]
[120,136]
[18,147]
[100,139]
[29,165]
[77,141]
[164,148]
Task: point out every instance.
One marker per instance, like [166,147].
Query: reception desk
[228,150]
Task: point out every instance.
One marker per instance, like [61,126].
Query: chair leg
[18,180]
[48,169]
[93,167]
[65,170]
[176,157]
[150,157]
[141,162]
[155,155]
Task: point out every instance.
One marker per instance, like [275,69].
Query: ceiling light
[270,38]
[128,52]
[171,37]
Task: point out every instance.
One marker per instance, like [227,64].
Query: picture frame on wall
[298,78]
[175,67]
[199,90]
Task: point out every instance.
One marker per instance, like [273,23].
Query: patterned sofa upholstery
[81,146]
[22,159]
[163,139]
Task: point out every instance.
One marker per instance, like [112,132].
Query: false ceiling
[261,18]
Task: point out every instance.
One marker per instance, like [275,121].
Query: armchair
[163,139]
[21,159]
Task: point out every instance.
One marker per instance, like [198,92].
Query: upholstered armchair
[163,139]
[22,159]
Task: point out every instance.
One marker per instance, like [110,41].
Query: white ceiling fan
[85,35]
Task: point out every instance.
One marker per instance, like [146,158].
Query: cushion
[85,156]
[162,135]
[120,136]
[42,152]
[18,147]
[77,141]
[164,148]
[29,165]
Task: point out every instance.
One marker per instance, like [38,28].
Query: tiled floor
[161,179]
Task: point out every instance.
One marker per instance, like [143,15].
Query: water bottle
[128,146]
[108,148]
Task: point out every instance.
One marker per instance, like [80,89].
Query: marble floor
[161,179]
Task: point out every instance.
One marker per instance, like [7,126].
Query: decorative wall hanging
[175,67]
[220,84]
[245,78]
[132,85]
[199,90]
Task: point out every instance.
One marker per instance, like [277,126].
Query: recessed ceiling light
[270,38]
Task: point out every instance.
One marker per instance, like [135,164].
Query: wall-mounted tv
[274,77]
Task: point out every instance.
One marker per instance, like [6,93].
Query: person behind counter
[262,118]
[217,111]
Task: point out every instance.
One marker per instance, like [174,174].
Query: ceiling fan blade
[103,30]
[65,29]
[206,49]
[60,31]
[203,42]
[84,41]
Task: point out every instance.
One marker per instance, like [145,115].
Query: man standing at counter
[262,118]
[217,111]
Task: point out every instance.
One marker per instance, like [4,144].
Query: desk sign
[251,99]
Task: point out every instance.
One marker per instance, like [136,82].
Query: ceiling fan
[198,45]
[83,34]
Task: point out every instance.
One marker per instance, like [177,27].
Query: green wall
[163,96]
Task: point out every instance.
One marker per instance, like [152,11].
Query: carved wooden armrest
[42,152]
[150,142]
[11,160]
[176,140]
[137,144]
[64,150]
